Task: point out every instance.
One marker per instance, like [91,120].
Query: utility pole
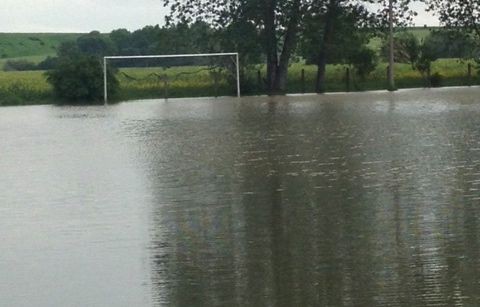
[391,60]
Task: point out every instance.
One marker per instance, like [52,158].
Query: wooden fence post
[259,82]
[302,80]
[165,87]
[469,74]
[215,83]
[388,74]
[347,79]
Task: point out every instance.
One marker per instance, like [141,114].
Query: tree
[80,79]
[278,23]
[95,44]
[78,73]
[394,13]
[364,60]
[334,31]
[19,65]
[420,55]
[450,43]
[464,14]
[121,39]
[406,48]
[459,15]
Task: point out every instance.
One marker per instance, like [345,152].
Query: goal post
[106,60]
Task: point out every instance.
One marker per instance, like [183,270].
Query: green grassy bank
[31,46]
[31,87]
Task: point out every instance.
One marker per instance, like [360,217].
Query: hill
[32,45]
[36,46]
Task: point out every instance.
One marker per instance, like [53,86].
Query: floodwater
[368,199]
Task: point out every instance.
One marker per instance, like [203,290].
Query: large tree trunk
[271,44]
[391,54]
[321,72]
[277,67]
[288,47]
[322,59]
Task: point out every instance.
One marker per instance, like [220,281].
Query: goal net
[182,75]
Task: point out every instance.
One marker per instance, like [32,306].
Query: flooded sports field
[369,199]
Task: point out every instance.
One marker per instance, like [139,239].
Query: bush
[19,65]
[80,79]
[47,64]
[9,99]
[364,61]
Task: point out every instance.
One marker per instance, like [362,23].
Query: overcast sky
[101,15]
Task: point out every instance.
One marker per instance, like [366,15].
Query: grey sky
[102,15]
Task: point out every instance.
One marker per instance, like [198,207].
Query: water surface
[338,200]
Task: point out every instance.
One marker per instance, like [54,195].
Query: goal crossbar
[106,58]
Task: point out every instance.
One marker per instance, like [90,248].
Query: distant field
[15,45]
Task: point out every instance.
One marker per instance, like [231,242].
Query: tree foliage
[449,43]
[402,13]
[95,44]
[277,23]
[464,14]
[364,60]
[19,65]
[407,47]
[78,73]
[419,54]
[461,16]
[335,32]
[441,43]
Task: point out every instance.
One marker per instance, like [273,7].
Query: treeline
[180,38]
[346,47]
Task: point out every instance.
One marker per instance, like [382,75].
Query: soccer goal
[161,73]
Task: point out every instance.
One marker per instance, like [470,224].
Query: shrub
[7,99]
[47,64]
[80,79]
[364,60]
[19,65]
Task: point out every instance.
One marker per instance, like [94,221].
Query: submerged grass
[31,87]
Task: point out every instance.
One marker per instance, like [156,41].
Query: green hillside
[36,46]
[20,45]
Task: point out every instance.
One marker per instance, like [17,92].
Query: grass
[24,88]
[31,87]
[172,82]
[15,45]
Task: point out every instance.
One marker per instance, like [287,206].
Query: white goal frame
[106,58]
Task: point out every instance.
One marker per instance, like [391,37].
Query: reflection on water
[336,200]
